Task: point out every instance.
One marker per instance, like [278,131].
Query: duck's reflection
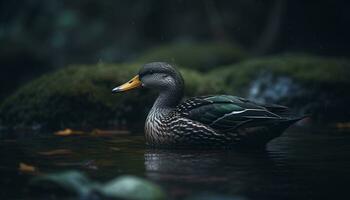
[183,172]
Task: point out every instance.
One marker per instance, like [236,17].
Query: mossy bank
[81,97]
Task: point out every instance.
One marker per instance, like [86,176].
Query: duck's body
[220,121]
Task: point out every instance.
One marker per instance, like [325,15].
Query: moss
[321,83]
[77,94]
[197,83]
[310,71]
[199,56]
[80,97]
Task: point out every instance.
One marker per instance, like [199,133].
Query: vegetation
[80,97]
[310,71]
[317,86]
[71,96]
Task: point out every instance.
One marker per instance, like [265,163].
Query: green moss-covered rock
[306,69]
[66,184]
[199,56]
[80,97]
[77,95]
[132,188]
[311,84]
[75,185]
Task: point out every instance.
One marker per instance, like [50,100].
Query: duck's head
[159,76]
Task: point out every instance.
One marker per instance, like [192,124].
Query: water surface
[299,165]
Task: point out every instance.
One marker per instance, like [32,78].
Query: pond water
[299,165]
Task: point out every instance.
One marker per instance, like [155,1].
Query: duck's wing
[225,112]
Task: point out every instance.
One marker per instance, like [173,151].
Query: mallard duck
[215,121]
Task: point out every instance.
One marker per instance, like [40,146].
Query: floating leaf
[344,125]
[25,168]
[67,132]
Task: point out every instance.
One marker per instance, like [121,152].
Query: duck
[212,121]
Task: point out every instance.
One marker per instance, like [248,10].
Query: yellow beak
[132,84]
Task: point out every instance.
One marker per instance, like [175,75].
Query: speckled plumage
[220,121]
[204,122]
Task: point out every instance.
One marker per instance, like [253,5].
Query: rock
[76,185]
[74,97]
[268,87]
[70,183]
[199,56]
[132,188]
[309,84]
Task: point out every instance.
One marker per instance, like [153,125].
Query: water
[298,165]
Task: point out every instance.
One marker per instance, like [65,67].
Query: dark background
[60,59]
[37,36]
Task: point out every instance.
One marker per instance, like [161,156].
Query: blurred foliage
[311,71]
[199,56]
[13,55]
[87,31]
[40,36]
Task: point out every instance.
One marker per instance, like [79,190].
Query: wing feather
[225,112]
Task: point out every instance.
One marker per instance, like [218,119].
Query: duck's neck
[168,99]
[165,103]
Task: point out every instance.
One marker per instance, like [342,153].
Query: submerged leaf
[67,132]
